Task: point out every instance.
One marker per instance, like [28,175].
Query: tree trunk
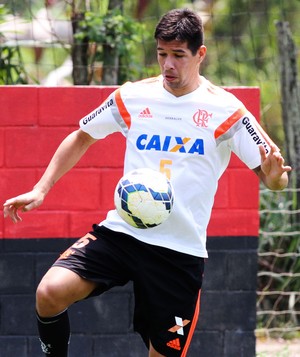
[110,65]
[79,53]
[110,54]
[290,100]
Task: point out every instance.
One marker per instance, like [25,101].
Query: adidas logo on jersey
[145,113]
[174,344]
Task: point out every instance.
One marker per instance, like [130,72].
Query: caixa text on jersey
[170,144]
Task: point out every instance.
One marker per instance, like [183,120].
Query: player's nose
[168,63]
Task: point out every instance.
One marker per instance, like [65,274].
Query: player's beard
[183,85]
[176,87]
[175,84]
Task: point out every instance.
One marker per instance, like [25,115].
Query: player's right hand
[23,203]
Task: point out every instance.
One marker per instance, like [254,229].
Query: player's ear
[202,52]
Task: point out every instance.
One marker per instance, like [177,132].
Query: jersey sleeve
[103,120]
[246,140]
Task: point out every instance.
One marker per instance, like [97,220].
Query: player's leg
[92,265]
[167,300]
[153,352]
[58,289]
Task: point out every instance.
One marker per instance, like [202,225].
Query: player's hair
[182,25]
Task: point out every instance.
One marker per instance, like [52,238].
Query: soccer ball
[144,198]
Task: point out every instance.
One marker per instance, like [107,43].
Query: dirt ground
[277,348]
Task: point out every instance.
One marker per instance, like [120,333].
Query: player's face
[179,67]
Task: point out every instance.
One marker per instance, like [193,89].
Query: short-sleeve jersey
[190,138]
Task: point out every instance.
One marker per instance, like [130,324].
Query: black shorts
[167,283]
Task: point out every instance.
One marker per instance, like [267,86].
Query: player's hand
[273,172]
[23,203]
[273,164]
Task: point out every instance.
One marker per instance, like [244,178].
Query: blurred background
[250,43]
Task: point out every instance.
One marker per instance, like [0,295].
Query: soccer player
[177,123]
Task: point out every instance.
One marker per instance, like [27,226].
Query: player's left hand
[272,164]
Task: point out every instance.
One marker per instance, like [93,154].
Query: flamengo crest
[201,118]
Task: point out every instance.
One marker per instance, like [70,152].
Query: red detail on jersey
[228,123]
[201,118]
[122,109]
[145,113]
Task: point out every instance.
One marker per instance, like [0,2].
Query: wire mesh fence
[278,295]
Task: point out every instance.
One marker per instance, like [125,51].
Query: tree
[110,50]
[242,50]
[80,46]
[113,37]
[11,71]
[290,93]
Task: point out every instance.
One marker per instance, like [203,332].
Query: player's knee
[48,299]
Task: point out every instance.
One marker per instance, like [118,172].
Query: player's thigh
[62,287]
[153,352]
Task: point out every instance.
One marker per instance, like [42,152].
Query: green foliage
[113,29]
[119,32]
[242,50]
[11,73]
[11,70]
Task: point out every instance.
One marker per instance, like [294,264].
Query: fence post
[290,99]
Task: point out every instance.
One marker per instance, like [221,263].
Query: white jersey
[190,138]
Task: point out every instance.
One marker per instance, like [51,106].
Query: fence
[278,295]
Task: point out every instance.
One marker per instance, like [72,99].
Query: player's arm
[66,156]
[272,171]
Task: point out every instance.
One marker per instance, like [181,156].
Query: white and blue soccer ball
[144,198]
